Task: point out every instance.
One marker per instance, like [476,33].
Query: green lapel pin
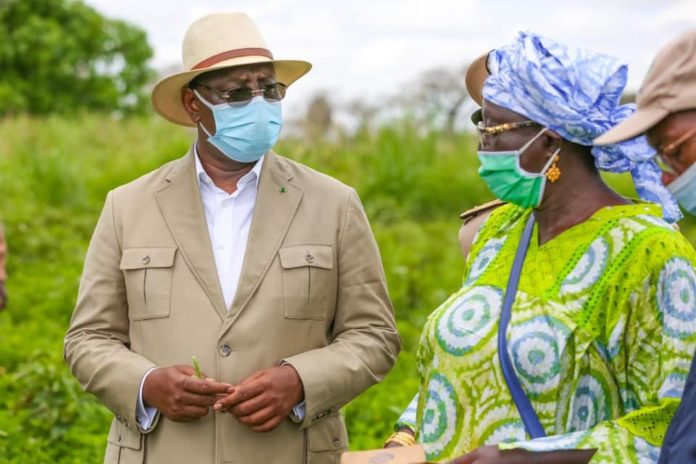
[282,189]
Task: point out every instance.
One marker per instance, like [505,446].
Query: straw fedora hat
[217,41]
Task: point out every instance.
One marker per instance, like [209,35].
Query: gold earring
[554,172]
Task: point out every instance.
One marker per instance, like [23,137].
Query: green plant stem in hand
[197,367]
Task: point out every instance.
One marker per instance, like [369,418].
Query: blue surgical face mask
[244,133]
[684,189]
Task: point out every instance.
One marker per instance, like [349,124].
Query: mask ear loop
[532,140]
[543,172]
[550,161]
[527,145]
[209,105]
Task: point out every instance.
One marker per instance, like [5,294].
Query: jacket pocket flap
[146,258]
[306,255]
[327,435]
[122,436]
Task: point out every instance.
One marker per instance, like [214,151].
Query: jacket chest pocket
[148,273]
[307,280]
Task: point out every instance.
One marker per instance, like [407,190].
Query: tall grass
[54,175]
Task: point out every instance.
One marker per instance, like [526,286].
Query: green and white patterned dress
[602,333]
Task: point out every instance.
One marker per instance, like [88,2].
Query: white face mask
[684,189]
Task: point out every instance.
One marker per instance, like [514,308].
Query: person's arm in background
[406,424]
[472,221]
[3,272]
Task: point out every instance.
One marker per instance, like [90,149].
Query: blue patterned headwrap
[575,93]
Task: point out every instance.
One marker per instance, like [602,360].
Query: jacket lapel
[182,208]
[276,203]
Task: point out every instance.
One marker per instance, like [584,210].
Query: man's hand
[493,455]
[177,394]
[265,398]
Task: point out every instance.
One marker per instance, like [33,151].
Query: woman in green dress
[603,323]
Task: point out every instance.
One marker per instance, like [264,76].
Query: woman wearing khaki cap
[667,114]
[572,334]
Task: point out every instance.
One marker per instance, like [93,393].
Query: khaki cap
[669,87]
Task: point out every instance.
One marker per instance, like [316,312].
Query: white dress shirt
[228,217]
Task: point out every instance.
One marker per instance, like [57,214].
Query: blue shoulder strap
[524,406]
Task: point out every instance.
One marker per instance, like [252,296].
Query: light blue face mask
[245,133]
[684,189]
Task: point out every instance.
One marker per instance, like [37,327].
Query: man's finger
[242,392]
[189,413]
[204,387]
[248,407]
[268,426]
[195,399]
[259,417]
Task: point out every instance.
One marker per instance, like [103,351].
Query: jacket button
[146,260]
[225,350]
[337,442]
[309,258]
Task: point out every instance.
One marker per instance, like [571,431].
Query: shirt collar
[204,178]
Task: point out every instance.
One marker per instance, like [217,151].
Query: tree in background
[61,56]
[436,98]
[318,119]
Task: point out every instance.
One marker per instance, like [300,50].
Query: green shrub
[54,175]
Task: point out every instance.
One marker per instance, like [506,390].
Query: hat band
[229,54]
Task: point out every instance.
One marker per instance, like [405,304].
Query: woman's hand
[393,443]
[493,455]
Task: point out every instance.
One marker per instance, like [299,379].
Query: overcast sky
[369,48]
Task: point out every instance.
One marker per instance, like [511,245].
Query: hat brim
[476,75]
[633,126]
[167,93]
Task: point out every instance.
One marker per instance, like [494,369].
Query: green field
[54,175]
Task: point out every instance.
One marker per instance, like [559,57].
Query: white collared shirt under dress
[228,217]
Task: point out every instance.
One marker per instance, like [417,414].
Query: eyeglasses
[243,95]
[487,132]
[665,151]
[499,128]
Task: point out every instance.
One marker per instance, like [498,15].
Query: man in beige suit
[262,268]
